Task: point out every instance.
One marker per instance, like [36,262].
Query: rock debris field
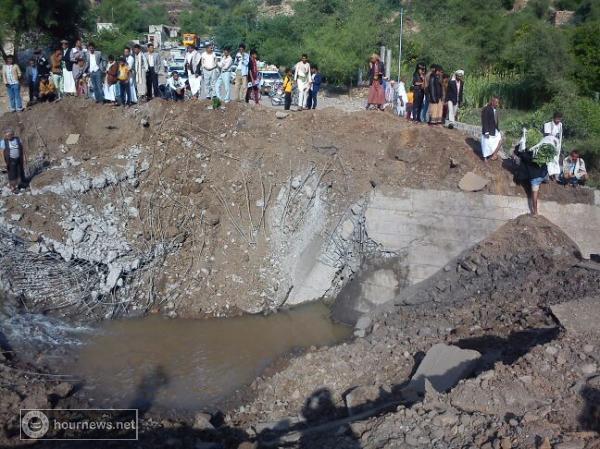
[188,212]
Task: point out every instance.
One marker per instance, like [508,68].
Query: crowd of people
[134,76]
[433,97]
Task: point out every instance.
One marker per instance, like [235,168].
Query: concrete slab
[444,366]
[72,139]
[579,317]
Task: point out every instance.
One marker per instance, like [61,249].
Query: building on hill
[560,18]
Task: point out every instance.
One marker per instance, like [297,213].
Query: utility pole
[400,52]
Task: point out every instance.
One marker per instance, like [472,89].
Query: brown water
[194,364]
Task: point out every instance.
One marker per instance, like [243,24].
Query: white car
[268,79]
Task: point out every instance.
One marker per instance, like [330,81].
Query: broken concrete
[579,317]
[443,366]
[472,182]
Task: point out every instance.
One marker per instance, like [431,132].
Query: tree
[586,47]
[59,19]
[131,15]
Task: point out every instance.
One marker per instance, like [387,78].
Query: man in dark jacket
[454,95]
[491,137]
[97,69]
[435,92]
[14,157]
[32,75]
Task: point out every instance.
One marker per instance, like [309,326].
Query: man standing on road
[11,73]
[210,72]
[224,81]
[97,71]
[491,137]
[242,59]
[130,61]
[32,76]
[302,78]
[140,69]
[192,66]
[315,86]
[554,128]
[154,63]
[454,96]
[68,82]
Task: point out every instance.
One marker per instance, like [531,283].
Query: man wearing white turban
[454,96]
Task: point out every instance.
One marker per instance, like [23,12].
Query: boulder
[202,421]
[472,182]
[444,366]
[281,115]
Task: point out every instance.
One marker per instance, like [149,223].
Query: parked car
[179,68]
[268,80]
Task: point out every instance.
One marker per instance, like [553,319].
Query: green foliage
[112,42]
[130,15]
[540,53]
[512,89]
[545,154]
[534,135]
[586,48]
[58,19]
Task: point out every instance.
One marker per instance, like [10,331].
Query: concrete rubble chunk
[408,155]
[72,139]
[281,115]
[363,397]
[472,182]
[579,317]
[444,366]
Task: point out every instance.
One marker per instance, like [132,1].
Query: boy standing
[315,86]
[124,86]
[288,87]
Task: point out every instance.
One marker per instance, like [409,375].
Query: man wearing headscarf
[454,96]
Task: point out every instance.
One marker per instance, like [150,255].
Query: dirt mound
[493,299]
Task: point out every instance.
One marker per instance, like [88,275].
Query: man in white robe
[192,62]
[302,78]
[554,128]
[68,82]
[140,70]
[130,60]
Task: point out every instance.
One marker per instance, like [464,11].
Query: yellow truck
[190,39]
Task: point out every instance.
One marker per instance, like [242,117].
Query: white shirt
[8,69]
[150,58]
[93,66]
[302,72]
[191,59]
[226,63]
[554,130]
[13,147]
[208,60]
[173,84]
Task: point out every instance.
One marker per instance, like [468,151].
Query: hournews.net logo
[79,424]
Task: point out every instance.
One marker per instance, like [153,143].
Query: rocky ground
[185,211]
[534,382]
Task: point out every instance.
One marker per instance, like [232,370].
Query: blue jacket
[316,82]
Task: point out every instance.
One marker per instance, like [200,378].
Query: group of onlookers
[433,97]
[124,80]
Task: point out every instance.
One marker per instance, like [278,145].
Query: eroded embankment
[221,212]
[212,213]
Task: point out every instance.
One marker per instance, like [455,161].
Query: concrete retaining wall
[432,227]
